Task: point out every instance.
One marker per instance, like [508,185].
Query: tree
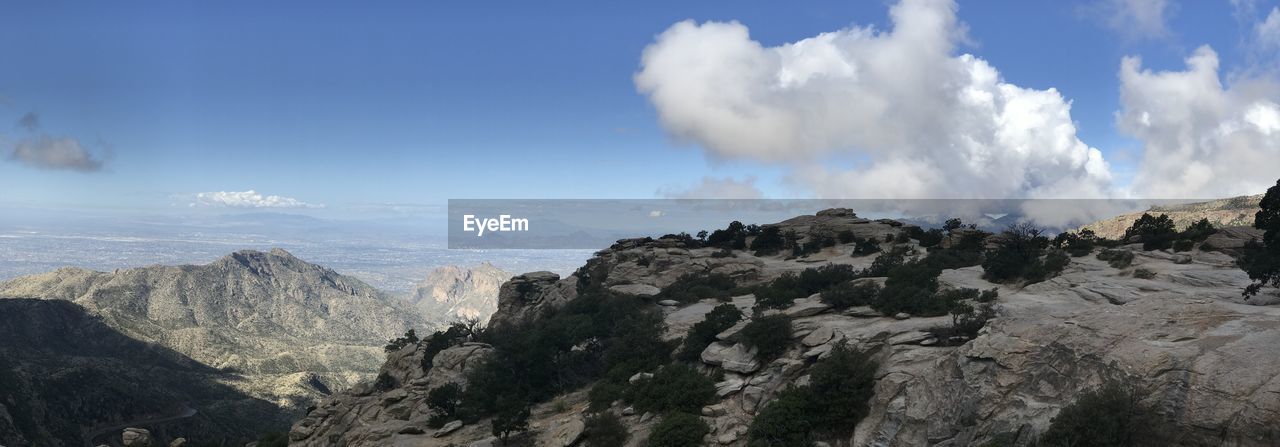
[1262,260]
[702,236]
[444,400]
[604,430]
[1156,233]
[513,417]
[952,224]
[770,335]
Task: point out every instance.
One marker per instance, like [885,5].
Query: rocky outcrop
[1233,212]
[291,329]
[1180,331]
[460,293]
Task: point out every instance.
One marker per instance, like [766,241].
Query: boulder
[669,303]
[736,357]
[640,376]
[136,437]
[565,432]
[818,336]
[635,289]
[806,308]
[447,428]
[733,333]
[180,442]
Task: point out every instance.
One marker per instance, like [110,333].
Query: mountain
[1172,326]
[454,292]
[67,379]
[1232,212]
[289,331]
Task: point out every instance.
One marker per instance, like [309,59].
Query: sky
[353,110]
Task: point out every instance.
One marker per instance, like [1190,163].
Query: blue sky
[417,102]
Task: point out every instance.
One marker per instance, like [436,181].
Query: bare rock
[447,428]
[565,432]
[736,357]
[636,289]
[136,437]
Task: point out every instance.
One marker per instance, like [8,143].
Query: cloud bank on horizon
[247,199]
[926,122]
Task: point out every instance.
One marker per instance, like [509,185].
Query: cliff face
[460,293]
[1179,330]
[294,330]
[66,378]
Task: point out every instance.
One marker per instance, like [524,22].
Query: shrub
[770,335]
[904,237]
[444,402]
[887,261]
[1144,273]
[1054,261]
[396,343]
[1018,252]
[865,247]
[734,236]
[384,382]
[457,333]
[274,439]
[1111,416]
[781,291]
[911,288]
[966,322]
[769,242]
[1198,231]
[513,417]
[1262,260]
[1076,244]
[952,224]
[832,404]
[704,332]
[1156,233]
[988,296]
[1117,258]
[846,236]
[675,387]
[678,430]
[851,293]
[604,430]
[785,422]
[604,393]
[1182,245]
[931,238]
[695,286]
[953,258]
[843,383]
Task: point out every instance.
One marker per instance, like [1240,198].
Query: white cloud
[1136,19]
[1266,34]
[715,188]
[1202,139]
[657,213]
[248,199]
[923,121]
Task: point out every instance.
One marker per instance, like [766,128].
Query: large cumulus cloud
[918,120]
[1201,139]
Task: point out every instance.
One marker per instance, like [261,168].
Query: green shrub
[1156,233]
[831,405]
[1111,416]
[675,387]
[604,393]
[769,242]
[1017,253]
[1116,258]
[1182,245]
[770,335]
[734,236]
[604,430]
[891,259]
[395,344]
[678,430]
[512,418]
[966,321]
[851,293]
[931,238]
[1198,231]
[704,332]
[1053,263]
[384,382]
[865,247]
[444,401]
[780,292]
[785,421]
[846,236]
[954,258]
[274,439]
[696,286]
[911,288]
[1143,273]
[1076,244]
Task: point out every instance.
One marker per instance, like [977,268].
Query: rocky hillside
[67,379]
[1172,325]
[1233,212]
[290,331]
[456,293]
